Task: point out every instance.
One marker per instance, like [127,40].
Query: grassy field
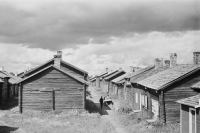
[71,121]
[136,124]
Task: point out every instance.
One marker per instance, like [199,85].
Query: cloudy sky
[95,34]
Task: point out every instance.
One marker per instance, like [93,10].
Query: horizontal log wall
[176,92]
[37,91]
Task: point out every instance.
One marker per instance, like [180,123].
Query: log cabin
[54,85]
[104,83]
[8,86]
[118,85]
[93,81]
[170,85]
[109,78]
[128,89]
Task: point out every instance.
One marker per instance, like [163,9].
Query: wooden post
[20,98]
[149,103]
[53,99]
[162,108]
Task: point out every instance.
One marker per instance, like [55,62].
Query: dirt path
[106,112]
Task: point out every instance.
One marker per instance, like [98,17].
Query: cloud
[62,24]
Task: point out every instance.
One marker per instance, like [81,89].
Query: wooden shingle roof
[12,79]
[118,73]
[190,101]
[139,71]
[196,86]
[168,76]
[109,73]
[120,78]
[147,74]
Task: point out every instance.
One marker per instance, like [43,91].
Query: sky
[97,34]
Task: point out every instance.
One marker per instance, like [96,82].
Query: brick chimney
[196,57]
[158,63]
[173,59]
[106,69]
[120,69]
[57,59]
[167,63]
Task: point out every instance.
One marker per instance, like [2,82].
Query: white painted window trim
[140,101]
[190,120]
[136,97]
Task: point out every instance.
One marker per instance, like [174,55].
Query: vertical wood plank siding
[185,119]
[37,91]
[178,91]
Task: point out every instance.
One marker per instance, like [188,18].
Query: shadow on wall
[7,129]
[92,107]
[11,103]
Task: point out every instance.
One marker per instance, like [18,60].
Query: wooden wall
[38,94]
[184,119]
[1,87]
[178,91]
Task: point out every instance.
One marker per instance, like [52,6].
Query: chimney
[167,63]
[2,69]
[120,69]
[158,63]
[131,69]
[57,59]
[196,58]
[106,69]
[173,59]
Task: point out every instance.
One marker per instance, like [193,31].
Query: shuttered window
[145,101]
[136,97]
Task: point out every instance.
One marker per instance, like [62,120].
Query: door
[192,120]
[155,107]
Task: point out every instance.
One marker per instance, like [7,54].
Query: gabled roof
[109,73]
[138,72]
[13,79]
[167,77]
[93,79]
[74,67]
[147,74]
[190,101]
[65,72]
[101,74]
[120,78]
[34,69]
[114,74]
[196,86]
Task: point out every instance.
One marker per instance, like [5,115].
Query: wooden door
[192,120]
[155,107]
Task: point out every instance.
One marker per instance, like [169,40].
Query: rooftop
[190,101]
[115,74]
[167,77]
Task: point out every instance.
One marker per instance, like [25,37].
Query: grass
[71,121]
[135,122]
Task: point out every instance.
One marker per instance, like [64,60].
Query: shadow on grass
[7,129]
[92,107]
[9,104]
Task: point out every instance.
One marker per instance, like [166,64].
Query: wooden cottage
[166,87]
[118,86]
[99,76]
[54,85]
[190,112]
[93,81]
[104,83]
[8,86]
[128,89]
[109,78]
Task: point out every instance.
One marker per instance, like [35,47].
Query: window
[145,101]
[136,97]
[142,100]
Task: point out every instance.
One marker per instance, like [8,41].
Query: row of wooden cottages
[155,89]
[8,86]
[54,85]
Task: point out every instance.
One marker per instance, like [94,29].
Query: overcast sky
[95,34]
